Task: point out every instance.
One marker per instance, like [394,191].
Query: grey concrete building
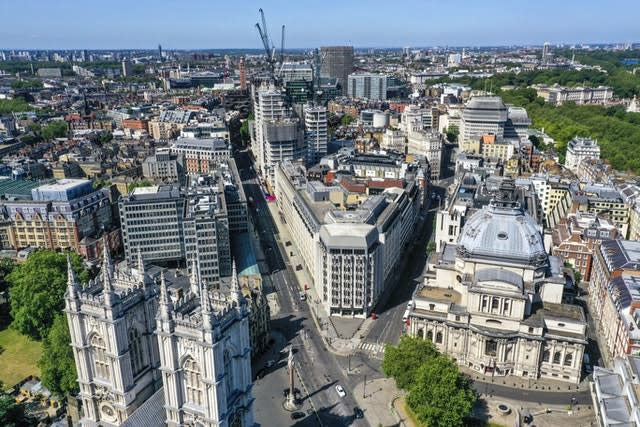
[337,63]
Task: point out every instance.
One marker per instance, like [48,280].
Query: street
[318,369]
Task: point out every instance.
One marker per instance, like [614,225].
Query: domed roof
[505,231]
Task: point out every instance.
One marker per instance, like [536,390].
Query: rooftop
[439,294]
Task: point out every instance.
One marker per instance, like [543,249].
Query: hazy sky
[90,24]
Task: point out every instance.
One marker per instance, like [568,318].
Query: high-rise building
[545,54]
[367,86]
[337,62]
[127,68]
[160,57]
[278,135]
[316,133]
[196,370]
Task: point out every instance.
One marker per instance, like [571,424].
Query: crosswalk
[374,349]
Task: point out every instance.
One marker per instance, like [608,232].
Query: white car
[340,391]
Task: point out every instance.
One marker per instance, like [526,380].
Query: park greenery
[437,393]
[17,105]
[138,184]
[617,132]
[36,290]
[27,85]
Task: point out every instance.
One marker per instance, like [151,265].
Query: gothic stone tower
[205,357]
[111,321]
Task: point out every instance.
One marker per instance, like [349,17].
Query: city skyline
[36,24]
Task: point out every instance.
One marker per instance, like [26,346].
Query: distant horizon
[205,25]
[635,45]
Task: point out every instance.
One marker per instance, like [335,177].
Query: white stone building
[579,149]
[494,301]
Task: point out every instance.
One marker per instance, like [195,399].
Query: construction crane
[269,48]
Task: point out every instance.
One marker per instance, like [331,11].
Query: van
[405,316]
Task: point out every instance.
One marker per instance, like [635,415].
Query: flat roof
[439,294]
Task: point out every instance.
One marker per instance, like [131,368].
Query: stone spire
[107,266]
[236,293]
[107,274]
[195,276]
[72,281]
[165,305]
[205,307]
[141,270]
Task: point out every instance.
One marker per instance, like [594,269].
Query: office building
[482,115]
[169,124]
[494,300]
[316,133]
[368,86]
[152,350]
[163,165]
[337,63]
[579,149]
[201,155]
[152,223]
[427,144]
[351,232]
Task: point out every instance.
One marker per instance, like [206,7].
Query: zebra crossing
[372,348]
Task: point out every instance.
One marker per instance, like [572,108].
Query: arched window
[568,359]
[421,333]
[430,336]
[228,373]
[100,359]
[545,356]
[192,383]
[136,351]
[439,337]
[556,357]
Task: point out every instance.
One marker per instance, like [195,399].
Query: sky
[215,24]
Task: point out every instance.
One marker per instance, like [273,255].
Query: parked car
[357,412]
[340,391]
[297,415]
[270,363]
[303,296]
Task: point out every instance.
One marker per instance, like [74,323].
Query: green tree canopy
[452,133]
[346,120]
[402,361]
[57,364]
[439,396]
[16,105]
[26,84]
[36,290]
[55,129]
[437,393]
[140,183]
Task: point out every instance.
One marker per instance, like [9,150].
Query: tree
[36,290]
[55,129]
[346,120]
[438,394]
[57,364]
[452,133]
[402,361]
